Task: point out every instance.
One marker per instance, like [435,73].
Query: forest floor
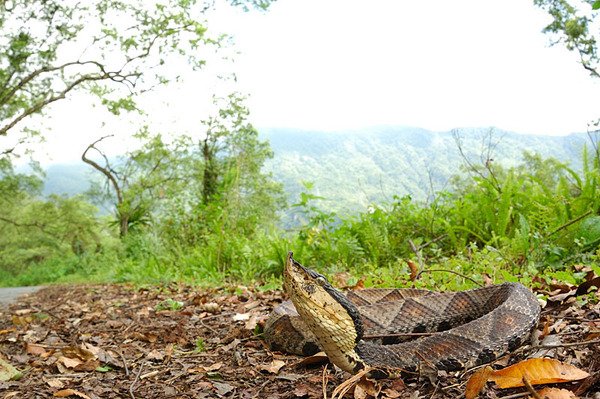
[179,341]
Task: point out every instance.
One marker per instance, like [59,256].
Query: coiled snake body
[362,328]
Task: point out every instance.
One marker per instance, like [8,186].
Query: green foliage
[169,304]
[200,345]
[573,26]
[529,221]
[110,47]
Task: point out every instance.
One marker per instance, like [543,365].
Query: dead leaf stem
[530,388]
[565,345]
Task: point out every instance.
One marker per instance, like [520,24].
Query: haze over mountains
[353,169]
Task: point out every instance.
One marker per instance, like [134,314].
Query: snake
[376,328]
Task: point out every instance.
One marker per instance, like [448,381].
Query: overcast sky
[432,64]
[347,64]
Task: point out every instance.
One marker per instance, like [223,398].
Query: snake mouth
[295,273]
[308,273]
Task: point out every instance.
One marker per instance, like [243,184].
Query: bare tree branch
[105,170]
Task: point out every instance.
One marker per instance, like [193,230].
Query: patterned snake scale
[362,328]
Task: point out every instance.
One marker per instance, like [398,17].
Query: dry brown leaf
[556,393]
[34,349]
[78,352]
[222,388]
[55,383]
[252,322]
[21,320]
[214,366]
[241,316]
[69,362]
[366,388]
[155,355]
[78,364]
[360,392]
[317,358]
[414,270]
[272,368]
[477,381]
[395,389]
[63,393]
[537,371]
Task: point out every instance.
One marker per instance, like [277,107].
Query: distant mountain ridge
[353,169]
[357,168]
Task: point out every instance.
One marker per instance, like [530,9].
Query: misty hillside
[356,168]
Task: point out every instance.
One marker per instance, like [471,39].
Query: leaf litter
[180,341]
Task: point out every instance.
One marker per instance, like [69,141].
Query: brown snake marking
[468,328]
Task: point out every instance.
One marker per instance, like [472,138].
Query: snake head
[315,288]
[330,316]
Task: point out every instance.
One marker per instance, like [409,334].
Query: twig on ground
[345,386]
[530,388]
[565,345]
[137,377]
[262,386]
[324,381]
[514,395]
[124,363]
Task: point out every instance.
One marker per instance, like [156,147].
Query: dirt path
[8,295]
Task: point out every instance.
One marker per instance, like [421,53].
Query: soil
[179,341]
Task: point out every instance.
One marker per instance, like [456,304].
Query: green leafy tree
[573,27]
[115,48]
[228,191]
[136,183]
[34,230]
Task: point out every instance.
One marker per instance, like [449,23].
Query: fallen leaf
[414,269]
[69,362]
[34,349]
[252,322]
[211,307]
[214,367]
[366,388]
[21,320]
[241,316]
[149,375]
[155,355]
[537,371]
[63,393]
[21,312]
[359,392]
[317,358]
[556,393]
[8,372]
[55,383]
[78,352]
[391,393]
[584,287]
[477,381]
[272,368]
[222,388]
